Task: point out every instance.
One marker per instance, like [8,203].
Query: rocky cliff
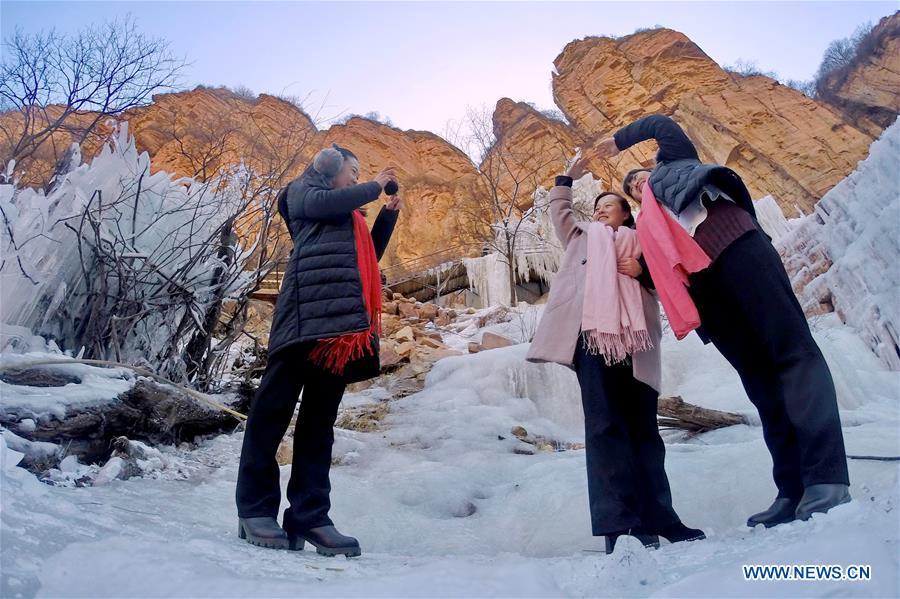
[781,142]
[438,184]
[200,132]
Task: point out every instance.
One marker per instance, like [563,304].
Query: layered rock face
[199,132]
[531,148]
[275,136]
[438,183]
[780,141]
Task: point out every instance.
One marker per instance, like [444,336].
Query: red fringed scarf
[335,353]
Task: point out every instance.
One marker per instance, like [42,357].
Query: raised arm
[561,212]
[330,204]
[673,142]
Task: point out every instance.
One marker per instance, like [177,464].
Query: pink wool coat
[560,326]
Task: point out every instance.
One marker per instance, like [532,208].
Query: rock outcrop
[780,141]
[273,135]
[438,183]
[531,148]
[199,133]
[867,91]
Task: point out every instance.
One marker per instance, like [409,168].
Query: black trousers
[258,489]
[627,482]
[751,315]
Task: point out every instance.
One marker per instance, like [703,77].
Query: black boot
[781,511]
[327,541]
[647,540]
[263,531]
[678,532]
[821,498]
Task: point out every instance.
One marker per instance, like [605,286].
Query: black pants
[627,482]
[751,315]
[258,490]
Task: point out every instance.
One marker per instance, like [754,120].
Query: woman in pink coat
[605,325]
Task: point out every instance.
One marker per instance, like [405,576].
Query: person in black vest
[324,335]
[750,313]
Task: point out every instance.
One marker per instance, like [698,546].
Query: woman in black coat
[324,335]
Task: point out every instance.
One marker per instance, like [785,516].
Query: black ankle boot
[781,511]
[327,541]
[678,532]
[263,531]
[821,498]
[647,540]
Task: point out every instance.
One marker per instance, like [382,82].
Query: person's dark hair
[626,207]
[630,176]
[344,152]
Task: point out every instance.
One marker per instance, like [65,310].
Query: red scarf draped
[335,353]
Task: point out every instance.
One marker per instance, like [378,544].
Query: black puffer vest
[677,183]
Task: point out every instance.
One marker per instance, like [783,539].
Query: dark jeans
[751,315]
[258,490]
[627,483]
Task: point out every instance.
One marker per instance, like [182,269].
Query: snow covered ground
[444,507]
[443,499]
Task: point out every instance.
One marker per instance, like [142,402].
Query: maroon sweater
[724,224]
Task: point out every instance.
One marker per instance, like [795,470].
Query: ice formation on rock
[116,207]
[845,255]
[538,251]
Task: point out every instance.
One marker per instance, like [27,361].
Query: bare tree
[508,176]
[840,57]
[238,143]
[52,82]
[202,148]
[270,159]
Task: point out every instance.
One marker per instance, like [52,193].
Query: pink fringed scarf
[612,322]
[335,353]
[671,255]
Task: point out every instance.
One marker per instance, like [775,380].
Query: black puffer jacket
[321,294]
[679,176]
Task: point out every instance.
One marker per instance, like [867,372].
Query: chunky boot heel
[296,543]
[611,543]
[263,532]
[328,541]
[648,541]
[821,498]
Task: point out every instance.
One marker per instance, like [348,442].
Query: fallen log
[22,370]
[148,411]
[677,413]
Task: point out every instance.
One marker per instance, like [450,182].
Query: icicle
[843,256]
[538,252]
[42,281]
